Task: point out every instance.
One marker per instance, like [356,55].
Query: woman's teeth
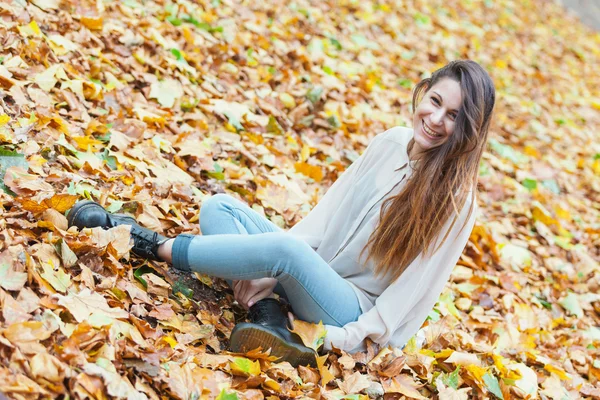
[430,132]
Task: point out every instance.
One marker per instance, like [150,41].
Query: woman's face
[434,118]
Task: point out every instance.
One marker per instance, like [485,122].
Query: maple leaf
[9,278]
[86,302]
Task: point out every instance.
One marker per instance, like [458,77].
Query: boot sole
[247,337]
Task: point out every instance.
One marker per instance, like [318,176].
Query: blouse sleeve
[311,228]
[402,308]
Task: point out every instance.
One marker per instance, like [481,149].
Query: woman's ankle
[165,251]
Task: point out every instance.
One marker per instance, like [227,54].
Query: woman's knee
[289,247]
[211,210]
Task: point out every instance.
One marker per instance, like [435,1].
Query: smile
[429,132]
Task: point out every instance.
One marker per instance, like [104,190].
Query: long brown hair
[410,222]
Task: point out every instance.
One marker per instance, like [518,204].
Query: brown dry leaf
[49,367]
[308,375]
[12,310]
[273,102]
[26,332]
[355,383]
[86,302]
[157,285]
[405,385]
[10,279]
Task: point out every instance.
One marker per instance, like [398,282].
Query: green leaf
[217,173]
[507,152]
[178,55]
[246,366]
[9,159]
[141,271]
[314,94]
[111,161]
[180,287]
[451,379]
[433,316]
[328,70]
[491,383]
[106,137]
[422,19]
[334,121]
[596,156]
[571,304]
[405,83]
[233,120]
[551,185]
[530,184]
[174,20]
[227,396]
[336,43]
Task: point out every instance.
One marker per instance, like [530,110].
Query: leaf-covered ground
[150,106]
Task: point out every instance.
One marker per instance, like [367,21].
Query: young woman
[372,257]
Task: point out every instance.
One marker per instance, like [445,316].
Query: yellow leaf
[501,64]
[312,335]
[85,142]
[596,166]
[31,29]
[558,371]
[287,100]
[312,171]
[477,372]
[4,119]
[326,376]
[93,23]
[539,213]
[304,153]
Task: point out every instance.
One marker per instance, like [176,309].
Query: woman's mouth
[429,132]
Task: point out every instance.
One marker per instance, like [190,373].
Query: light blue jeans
[240,244]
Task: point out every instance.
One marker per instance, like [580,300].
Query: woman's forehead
[450,92]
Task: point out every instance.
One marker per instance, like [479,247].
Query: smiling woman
[408,202]
[434,118]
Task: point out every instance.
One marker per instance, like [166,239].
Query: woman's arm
[403,307]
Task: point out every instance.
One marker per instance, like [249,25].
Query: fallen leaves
[148,108]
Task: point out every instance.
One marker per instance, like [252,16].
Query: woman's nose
[437,117]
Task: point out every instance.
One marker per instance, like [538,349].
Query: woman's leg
[222,214]
[315,291]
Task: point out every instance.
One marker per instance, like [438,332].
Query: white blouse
[339,226]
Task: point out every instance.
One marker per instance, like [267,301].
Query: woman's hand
[248,293]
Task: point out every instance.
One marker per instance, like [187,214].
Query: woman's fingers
[259,296]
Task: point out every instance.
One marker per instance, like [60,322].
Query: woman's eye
[453,116]
[436,101]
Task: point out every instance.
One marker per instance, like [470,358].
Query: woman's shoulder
[397,134]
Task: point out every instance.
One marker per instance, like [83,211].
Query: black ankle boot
[268,330]
[88,214]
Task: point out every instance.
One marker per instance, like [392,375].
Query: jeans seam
[247,216]
[236,227]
